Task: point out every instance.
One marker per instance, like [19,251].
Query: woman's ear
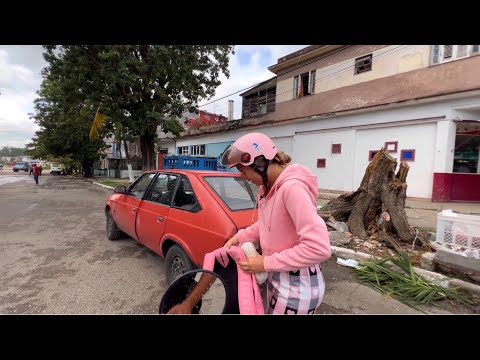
[260,163]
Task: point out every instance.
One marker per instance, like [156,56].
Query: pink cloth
[249,296]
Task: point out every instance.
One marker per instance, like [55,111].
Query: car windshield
[235,192]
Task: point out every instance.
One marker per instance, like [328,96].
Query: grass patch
[113,183]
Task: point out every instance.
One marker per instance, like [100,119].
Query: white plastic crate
[459,230]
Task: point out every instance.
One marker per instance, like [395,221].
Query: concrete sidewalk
[421,213]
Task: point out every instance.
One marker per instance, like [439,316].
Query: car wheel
[177,263]
[113,232]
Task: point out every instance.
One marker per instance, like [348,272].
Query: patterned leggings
[295,292]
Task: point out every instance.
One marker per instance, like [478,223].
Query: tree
[381,191]
[64,125]
[140,86]
[11,151]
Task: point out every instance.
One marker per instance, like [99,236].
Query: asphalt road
[56,259]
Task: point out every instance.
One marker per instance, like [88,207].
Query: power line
[388,52]
[334,52]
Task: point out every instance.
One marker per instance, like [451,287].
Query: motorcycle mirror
[213,301]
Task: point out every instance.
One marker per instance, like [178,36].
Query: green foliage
[11,151]
[113,183]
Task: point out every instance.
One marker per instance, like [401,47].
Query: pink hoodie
[292,235]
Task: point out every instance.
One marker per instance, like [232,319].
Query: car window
[162,190]
[235,192]
[185,197]
[140,186]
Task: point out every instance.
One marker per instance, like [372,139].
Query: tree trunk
[147,145]
[119,160]
[393,196]
[87,167]
[129,165]
[380,190]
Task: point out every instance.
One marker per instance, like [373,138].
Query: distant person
[31,169]
[37,171]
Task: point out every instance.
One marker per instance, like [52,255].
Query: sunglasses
[252,167]
[242,173]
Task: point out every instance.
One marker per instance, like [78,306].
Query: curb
[104,186]
[436,278]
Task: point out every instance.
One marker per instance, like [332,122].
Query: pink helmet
[247,148]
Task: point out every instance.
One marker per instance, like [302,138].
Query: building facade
[335,106]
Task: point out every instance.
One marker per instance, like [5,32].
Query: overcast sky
[20,67]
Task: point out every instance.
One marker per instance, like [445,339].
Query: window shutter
[295,86]
[312,81]
[447,51]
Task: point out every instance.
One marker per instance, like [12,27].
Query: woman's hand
[253,264]
[183,308]
[232,242]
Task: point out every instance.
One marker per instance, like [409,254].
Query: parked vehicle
[56,169]
[20,166]
[181,214]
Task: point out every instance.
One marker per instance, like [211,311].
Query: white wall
[444,147]
[284,143]
[338,173]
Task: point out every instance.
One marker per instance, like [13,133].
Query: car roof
[195,172]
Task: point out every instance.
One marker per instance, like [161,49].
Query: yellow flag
[97,125]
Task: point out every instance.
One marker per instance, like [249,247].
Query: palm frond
[408,287]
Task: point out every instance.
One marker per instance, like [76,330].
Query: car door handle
[160,219]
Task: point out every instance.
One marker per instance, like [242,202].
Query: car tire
[177,263]
[113,232]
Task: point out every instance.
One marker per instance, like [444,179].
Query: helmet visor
[232,156]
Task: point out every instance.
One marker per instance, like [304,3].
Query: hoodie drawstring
[271,212]
[255,207]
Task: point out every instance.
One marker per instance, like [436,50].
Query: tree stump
[380,190]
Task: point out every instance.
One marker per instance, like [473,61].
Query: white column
[445,146]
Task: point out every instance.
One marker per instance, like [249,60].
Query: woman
[293,238]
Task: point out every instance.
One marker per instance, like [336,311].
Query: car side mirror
[120,190]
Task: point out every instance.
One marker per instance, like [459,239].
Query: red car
[181,214]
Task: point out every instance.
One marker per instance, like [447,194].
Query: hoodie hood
[293,172]
[300,173]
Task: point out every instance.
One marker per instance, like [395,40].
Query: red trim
[391,143]
[336,148]
[371,154]
[455,187]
